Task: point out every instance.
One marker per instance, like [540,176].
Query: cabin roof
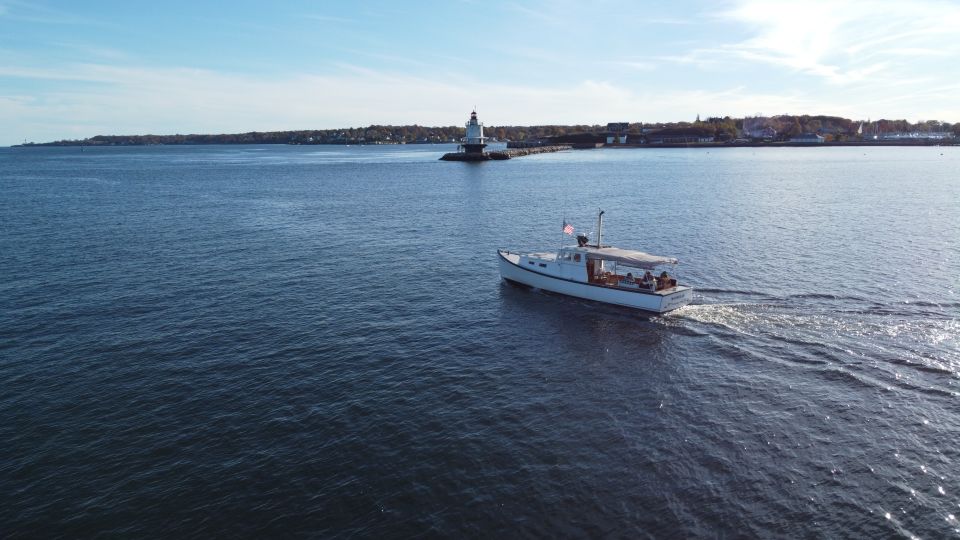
[637,259]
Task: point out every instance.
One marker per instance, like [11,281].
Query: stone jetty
[504,154]
[475,142]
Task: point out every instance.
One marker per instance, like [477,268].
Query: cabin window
[576,257]
[543,265]
[530,262]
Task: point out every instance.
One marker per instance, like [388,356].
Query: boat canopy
[628,257]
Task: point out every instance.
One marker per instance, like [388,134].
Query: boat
[600,273]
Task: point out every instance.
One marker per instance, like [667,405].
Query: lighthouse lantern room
[474,141]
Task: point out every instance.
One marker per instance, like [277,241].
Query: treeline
[722,128]
[375,134]
[782,127]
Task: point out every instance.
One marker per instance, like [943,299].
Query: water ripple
[314,341]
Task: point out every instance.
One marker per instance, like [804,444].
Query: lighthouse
[474,142]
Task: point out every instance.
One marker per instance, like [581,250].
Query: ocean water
[315,341]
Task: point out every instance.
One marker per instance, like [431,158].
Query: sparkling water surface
[315,341]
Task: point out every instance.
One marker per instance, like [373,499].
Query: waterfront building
[681,136]
[758,127]
[617,132]
[807,138]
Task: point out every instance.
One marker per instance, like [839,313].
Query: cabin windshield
[569,255]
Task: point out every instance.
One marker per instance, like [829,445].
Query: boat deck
[618,281]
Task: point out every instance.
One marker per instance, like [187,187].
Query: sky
[71,70]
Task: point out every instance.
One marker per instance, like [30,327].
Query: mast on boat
[600,229]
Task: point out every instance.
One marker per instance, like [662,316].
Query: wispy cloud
[172,100]
[835,40]
[543,15]
[37,13]
[669,21]
[529,53]
[129,100]
[93,52]
[637,65]
[75,73]
[449,58]
[387,57]
[916,52]
[328,18]
[853,59]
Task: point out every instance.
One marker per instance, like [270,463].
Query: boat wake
[890,347]
[730,291]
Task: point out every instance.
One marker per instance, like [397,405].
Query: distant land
[713,130]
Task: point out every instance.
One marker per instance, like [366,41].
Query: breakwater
[504,154]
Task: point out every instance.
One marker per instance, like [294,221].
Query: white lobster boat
[600,273]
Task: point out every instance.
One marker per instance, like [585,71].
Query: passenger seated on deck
[664,280]
[649,281]
[628,281]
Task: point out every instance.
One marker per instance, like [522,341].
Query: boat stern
[676,299]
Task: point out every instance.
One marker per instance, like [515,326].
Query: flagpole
[564,224]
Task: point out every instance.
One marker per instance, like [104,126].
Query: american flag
[567,228]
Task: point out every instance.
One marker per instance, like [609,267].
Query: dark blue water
[314,341]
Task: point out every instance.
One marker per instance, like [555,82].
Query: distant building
[681,136]
[617,132]
[758,127]
[766,133]
[807,138]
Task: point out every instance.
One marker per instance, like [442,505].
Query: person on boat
[664,280]
[648,281]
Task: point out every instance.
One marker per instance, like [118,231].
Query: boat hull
[653,302]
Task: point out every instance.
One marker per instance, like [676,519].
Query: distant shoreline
[773,144]
[713,132]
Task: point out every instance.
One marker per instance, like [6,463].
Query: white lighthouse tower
[474,142]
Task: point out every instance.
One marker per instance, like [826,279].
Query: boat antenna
[599,229]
